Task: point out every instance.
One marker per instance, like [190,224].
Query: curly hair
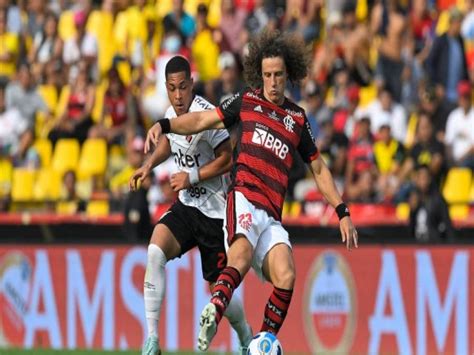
[270,44]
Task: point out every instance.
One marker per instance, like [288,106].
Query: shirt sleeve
[307,147]
[216,137]
[229,110]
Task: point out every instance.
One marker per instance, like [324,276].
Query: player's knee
[156,256]
[284,278]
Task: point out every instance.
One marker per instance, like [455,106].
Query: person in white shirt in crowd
[386,109]
[459,137]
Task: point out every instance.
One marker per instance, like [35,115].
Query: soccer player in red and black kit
[272,130]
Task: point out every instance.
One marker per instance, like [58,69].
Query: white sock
[236,316]
[154,287]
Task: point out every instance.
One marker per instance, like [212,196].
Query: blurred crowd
[388,95]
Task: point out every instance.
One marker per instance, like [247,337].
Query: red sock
[228,281]
[276,309]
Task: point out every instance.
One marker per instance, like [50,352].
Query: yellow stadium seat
[47,186]
[93,159]
[65,156]
[459,211]
[6,172]
[66,207]
[457,185]
[49,94]
[97,208]
[403,211]
[22,185]
[45,149]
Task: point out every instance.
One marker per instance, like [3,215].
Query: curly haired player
[272,130]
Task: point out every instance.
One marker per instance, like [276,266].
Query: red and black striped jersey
[263,156]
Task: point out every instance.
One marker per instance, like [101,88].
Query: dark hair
[271,44]
[178,64]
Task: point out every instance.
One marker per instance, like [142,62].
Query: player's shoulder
[251,93]
[200,104]
[293,109]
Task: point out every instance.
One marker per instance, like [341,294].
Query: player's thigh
[174,231]
[276,257]
[210,241]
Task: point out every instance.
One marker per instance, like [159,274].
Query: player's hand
[348,233]
[138,176]
[180,181]
[152,137]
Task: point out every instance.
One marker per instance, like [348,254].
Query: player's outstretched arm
[189,123]
[159,155]
[326,185]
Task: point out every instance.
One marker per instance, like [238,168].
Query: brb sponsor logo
[329,305]
[186,160]
[262,137]
[15,286]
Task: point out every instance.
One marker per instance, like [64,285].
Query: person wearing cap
[446,63]
[229,82]
[459,129]
[438,110]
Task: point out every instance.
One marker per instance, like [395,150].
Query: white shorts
[261,230]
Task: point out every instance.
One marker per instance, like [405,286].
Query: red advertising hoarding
[373,300]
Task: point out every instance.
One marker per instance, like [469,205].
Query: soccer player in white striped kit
[196,218]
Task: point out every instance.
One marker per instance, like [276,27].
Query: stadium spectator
[446,64]
[37,10]
[391,24]
[389,155]
[229,81]
[333,147]
[232,27]
[154,99]
[438,110]
[14,20]
[205,50]
[195,219]
[313,103]
[345,118]
[23,95]
[256,198]
[117,107]
[180,19]
[9,48]
[81,46]
[69,193]
[47,47]
[385,109]
[76,120]
[16,137]
[429,215]
[459,138]
[361,171]
[427,150]
[258,19]
[137,221]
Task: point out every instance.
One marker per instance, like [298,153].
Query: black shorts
[192,228]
